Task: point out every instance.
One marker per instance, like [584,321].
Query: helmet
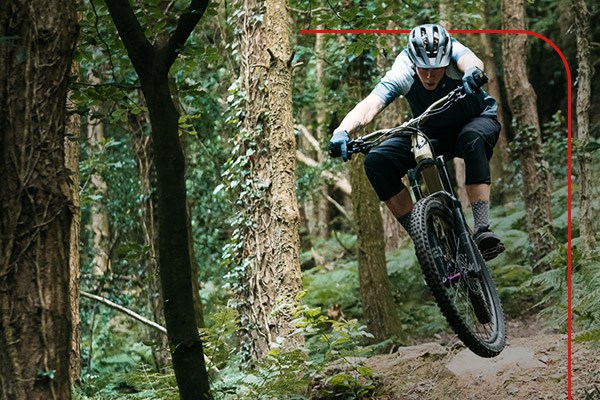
[429,46]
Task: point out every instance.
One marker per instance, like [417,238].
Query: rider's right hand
[338,145]
[473,79]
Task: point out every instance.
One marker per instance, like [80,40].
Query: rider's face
[431,77]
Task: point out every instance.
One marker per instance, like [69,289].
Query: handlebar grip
[481,79]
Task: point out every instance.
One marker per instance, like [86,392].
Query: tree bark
[271,240]
[255,291]
[72,156]
[285,217]
[321,205]
[152,66]
[38,208]
[587,215]
[522,101]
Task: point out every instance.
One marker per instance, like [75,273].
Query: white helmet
[429,46]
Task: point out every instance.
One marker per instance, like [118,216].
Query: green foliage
[140,383]
[219,346]
[419,314]
[556,145]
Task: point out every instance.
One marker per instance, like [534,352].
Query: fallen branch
[337,205]
[127,311]
[143,320]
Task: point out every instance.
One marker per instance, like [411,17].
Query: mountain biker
[430,67]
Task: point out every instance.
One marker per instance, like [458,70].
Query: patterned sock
[405,222]
[481,213]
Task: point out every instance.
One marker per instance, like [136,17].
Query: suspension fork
[465,241]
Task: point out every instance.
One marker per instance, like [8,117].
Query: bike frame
[448,196]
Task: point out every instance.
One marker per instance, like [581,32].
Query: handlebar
[364,143]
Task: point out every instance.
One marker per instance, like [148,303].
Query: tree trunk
[321,205]
[72,156]
[522,100]
[271,241]
[587,218]
[152,65]
[99,187]
[446,11]
[285,217]
[254,304]
[38,209]
[378,304]
[501,159]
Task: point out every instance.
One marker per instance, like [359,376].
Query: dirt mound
[534,367]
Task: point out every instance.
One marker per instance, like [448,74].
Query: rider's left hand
[472,81]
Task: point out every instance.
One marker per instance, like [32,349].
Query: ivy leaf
[592,146]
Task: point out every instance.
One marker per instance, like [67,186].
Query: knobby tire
[481,325]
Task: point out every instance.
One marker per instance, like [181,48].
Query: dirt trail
[533,366]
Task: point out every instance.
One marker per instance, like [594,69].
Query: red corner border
[569,164]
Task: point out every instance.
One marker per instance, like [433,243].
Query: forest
[172,226]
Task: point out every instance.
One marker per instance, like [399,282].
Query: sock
[481,214]
[405,222]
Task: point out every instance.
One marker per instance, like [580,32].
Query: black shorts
[474,142]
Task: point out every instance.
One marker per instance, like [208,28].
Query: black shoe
[488,243]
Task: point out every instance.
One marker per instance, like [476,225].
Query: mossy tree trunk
[270,257]
[522,101]
[587,218]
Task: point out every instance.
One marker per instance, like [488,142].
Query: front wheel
[468,299]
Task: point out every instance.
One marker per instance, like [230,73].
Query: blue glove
[473,80]
[338,145]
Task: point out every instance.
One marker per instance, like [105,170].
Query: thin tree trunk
[587,217]
[72,156]
[38,210]
[379,309]
[152,65]
[99,187]
[378,304]
[321,206]
[522,100]
[501,159]
[446,11]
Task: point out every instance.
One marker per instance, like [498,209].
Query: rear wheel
[467,299]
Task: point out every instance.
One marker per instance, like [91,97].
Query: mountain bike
[454,269]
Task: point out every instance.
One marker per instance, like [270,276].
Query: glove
[338,145]
[473,80]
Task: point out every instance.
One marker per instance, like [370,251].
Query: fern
[592,335]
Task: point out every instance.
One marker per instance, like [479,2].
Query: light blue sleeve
[397,81]
[459,50]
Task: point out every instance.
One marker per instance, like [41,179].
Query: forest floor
[532,366]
